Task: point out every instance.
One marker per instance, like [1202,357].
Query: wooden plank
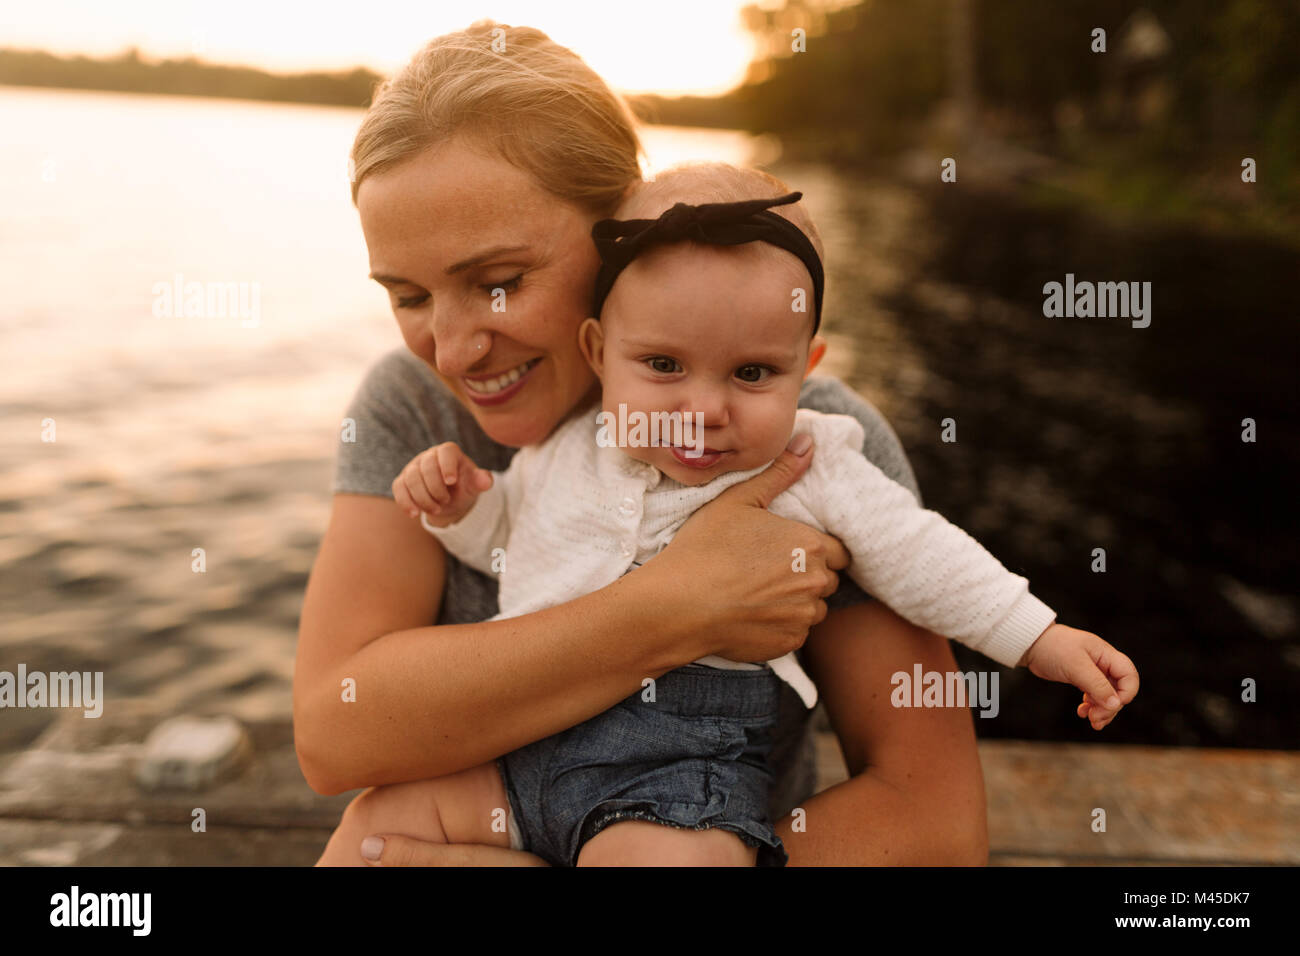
[1165,805]
[1182,805]
[82,770]
[60,843]
[75,789]
[1011,859]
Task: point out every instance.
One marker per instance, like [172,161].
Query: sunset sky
[671,46]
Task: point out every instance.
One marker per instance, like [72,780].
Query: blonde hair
[704,182]
[517,91]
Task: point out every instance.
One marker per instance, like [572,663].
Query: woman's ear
[591,341]
[816,349]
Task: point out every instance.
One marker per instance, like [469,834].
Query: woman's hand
[394,850]
[725,585]
[747,584]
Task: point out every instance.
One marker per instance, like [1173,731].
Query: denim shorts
[694,758]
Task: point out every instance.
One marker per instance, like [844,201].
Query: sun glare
[672,46]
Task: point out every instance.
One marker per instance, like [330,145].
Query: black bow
[619,241]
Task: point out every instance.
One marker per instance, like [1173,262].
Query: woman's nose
[458,344]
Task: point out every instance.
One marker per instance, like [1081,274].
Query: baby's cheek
[620,387]
[640,454]
[771,441]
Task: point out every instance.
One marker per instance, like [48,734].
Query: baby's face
[699,328]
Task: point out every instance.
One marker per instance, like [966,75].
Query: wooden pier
[71,799]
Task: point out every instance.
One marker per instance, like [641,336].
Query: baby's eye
[753,373]
[663,364]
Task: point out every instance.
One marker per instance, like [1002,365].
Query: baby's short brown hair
[705,182]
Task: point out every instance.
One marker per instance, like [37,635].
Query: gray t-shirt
[402,408]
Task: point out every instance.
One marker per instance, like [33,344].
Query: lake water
[106,197]
[175,433]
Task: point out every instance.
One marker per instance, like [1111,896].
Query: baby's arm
[462,505]
[940,578]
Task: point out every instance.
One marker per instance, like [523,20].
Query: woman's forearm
[382,697]
[435,700]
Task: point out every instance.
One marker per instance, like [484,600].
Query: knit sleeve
[879,445]
[925,568]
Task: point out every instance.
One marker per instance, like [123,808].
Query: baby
[704,328]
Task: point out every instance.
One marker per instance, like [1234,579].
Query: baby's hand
[442,482]
[1107,678]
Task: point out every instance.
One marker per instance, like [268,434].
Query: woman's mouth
[710,457]
[501,387]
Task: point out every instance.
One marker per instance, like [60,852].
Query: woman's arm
[916,792]
[435,700]
[916,796]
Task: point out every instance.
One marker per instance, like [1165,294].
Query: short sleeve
[401,409]
[880,446]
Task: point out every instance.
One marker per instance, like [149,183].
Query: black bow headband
[619,241]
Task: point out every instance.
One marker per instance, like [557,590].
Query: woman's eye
[411,301]
[752,373]
[510,285]
[663,364]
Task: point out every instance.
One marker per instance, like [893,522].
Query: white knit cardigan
[570,516]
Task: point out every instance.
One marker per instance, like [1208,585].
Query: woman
[478,173]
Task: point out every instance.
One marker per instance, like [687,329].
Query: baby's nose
[711,407]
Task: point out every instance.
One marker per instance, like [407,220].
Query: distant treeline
[1216,71]
[871,74]
[129,73]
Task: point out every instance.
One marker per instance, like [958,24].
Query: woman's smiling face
[445,229]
